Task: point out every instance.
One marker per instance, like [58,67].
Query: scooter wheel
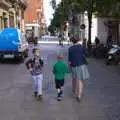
[107,62]
[116,62]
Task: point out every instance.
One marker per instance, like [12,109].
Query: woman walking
[77,55]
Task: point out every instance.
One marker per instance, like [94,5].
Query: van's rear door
[23,45]
[9,40]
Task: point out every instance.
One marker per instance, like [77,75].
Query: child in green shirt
[59,71]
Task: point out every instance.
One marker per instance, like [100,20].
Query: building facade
[103,27]
[12,14]
[34,14]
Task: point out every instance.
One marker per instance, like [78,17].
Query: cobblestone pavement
[100,101]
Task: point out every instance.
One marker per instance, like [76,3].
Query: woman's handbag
[85,72]
[87,61]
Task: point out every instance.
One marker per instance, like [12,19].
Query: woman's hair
[74,40]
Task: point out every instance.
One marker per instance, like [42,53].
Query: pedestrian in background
[77,56]
[59,71]
[84,42]
[97,42]
[35,41]
[35,66]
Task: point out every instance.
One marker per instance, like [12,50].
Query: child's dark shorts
[59,83]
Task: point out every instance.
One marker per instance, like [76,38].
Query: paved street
[101,96]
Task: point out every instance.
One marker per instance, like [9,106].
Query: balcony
[22,3]
[5,3]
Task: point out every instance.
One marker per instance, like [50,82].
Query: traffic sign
[82,26]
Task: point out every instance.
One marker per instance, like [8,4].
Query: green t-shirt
[59,70]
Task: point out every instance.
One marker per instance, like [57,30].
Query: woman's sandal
[78,99]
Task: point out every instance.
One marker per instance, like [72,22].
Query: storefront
[113,30]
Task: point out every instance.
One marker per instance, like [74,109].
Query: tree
[108,8]
[88,6]
[53,4]
[51,29]
[60,15]
[80,6]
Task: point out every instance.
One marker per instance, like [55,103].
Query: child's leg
[59,94]
[58,90]
[57,87]
[61,86]
[61,90]
[35,83]
[39,79]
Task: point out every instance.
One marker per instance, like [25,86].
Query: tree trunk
[118,39]
[89,30]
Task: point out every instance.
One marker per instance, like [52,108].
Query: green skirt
[80,72]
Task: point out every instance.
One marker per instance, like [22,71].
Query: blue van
[13,44]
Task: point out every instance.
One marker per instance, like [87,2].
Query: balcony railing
[5,3]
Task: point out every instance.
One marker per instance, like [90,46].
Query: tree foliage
[60,15]
[102,8]
[53,4]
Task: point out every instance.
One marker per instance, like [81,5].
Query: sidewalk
[52,42]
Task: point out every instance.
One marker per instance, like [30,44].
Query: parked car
[13,44]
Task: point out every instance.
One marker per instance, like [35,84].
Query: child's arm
[41,62]
[67,69]
[29,65]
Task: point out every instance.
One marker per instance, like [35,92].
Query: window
[11,20]
[23,38]
[5,20]
[0,22]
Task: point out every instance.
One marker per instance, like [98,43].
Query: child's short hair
[60,56]
[35,49]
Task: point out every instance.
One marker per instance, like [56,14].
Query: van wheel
[107,62]
[1,59]
[22,58]
[26,54]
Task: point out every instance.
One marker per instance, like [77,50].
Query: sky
[48,10]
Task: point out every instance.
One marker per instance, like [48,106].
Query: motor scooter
[113,55]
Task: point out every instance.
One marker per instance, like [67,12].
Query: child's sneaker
[35,93]
[61,93]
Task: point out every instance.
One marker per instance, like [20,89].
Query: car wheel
[19,58]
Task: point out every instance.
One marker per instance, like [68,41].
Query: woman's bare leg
[79,89]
